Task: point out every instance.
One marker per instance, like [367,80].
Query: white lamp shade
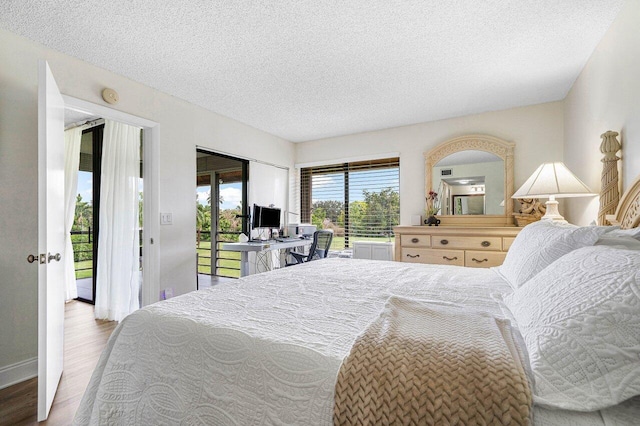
[553,179]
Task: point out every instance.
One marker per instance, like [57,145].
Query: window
[359,201]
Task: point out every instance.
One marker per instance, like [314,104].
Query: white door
[51,238]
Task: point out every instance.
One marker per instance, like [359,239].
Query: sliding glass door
[221,213]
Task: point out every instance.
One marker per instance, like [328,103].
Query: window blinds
[358,200]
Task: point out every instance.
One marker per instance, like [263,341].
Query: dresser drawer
[506,243]
[439,257]
[467,243]
[415,241]
[483,259]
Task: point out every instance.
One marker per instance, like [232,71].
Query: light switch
[166,218]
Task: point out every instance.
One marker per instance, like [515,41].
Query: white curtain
[72,139]
[118,280]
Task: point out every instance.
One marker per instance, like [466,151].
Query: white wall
[182,127]
[536,130]
[606,96]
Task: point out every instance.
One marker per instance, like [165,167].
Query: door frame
[151,178]
[215,188]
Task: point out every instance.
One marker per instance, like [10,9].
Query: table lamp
[553,180]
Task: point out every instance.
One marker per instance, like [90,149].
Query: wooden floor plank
[84,340]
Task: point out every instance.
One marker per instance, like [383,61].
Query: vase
[432,220]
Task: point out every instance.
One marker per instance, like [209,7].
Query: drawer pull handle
[479,260]
[450,258]
[415,240]
[413,256]
[485,244]
[444,242]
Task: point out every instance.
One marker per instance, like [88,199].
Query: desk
[260,246]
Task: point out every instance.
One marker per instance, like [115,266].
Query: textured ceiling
[305,69]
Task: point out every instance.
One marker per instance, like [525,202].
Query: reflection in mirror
[468,204]
[470,182]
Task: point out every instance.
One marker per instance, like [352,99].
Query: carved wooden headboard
[628,211]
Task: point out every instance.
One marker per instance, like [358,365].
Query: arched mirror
[473,177]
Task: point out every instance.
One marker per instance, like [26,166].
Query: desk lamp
[553,180]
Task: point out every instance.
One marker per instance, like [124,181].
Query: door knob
[55,257]
[42,259]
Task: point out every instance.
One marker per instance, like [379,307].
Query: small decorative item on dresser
[553,180]
[433,207]
[432,220]
[532,211]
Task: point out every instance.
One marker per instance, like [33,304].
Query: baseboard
[18,372]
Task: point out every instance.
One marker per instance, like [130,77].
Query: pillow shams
[541,243]
[621,241]
[633,233]
[580,319]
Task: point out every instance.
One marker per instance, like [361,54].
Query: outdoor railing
[82,242]
[82,245]
[227,263]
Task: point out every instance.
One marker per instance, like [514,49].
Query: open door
[51,238]
[222,212]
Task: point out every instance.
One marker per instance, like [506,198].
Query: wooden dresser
[478,247]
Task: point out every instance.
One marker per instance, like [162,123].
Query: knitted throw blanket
[432,364]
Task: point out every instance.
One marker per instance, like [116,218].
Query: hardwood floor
[84,340]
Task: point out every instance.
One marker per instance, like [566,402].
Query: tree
[229,220]
[357,217]
[383,210]
[140,209]
[318,216]
[330,208]
[203,219]
[83,216]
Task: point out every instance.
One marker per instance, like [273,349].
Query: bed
[268,348]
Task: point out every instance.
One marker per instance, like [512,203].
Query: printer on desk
[300,229]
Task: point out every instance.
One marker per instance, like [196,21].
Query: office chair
[319,248]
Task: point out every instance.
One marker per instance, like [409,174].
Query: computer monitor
[265,217]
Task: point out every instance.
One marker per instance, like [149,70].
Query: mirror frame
[499,147]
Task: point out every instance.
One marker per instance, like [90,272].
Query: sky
[85,185]
[231,194]
[330,186]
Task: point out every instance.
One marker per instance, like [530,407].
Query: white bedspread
[265,349]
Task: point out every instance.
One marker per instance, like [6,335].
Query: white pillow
[541,243]
[580,319]
[621,241]
[633,232]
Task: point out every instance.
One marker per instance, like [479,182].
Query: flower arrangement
[433,203]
